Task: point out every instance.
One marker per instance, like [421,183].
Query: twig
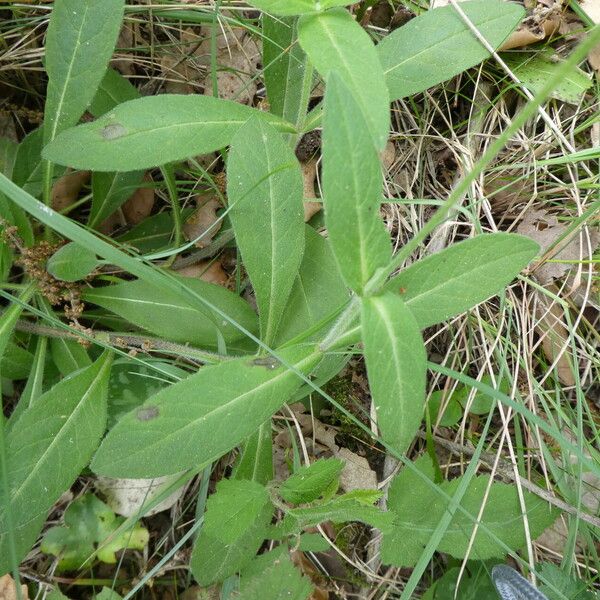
[122,340]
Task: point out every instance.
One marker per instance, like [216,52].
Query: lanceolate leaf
[235,525]
[163,313]
[396,367]
[264,187]
[80,41]
[200,418]
[352,188]
[334,41]
[461,276]
[418,509]
[153,131]
[288,75]
[256,460]
[438,45]
[47,448]
[318,289]
[68,355]
[114,89]
[296,7]
[111,190]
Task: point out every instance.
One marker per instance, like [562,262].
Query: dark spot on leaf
[147,413]
[113,131]
[269,362]
[402,290]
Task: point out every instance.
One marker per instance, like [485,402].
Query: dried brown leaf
[204,223]
[209,271]
[8,589]
[65,190]
[545,229]
[140,204]
[357,473]
[309,176]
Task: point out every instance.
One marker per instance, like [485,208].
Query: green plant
[317,298]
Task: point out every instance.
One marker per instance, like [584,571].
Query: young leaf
[72,262]
[235,525]
[110,191]
[265,192]
[287,8]
[68,355]
[197,420]
[163,313]
[308,483]
[317,291]
[352,188]
[461,276]
[418,509]
[47,447]
[153,131]
[81,38]
[334,41]
[256,461]
[288,75]
[396,367]
[339,510]
[90,525]
[438,44]
[276,580]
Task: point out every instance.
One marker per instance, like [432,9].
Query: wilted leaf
[545,229]
[357,473]
[89,526]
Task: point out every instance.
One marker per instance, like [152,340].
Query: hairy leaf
[461,276]
[418,509]
[317,291]
[47,447]
[235,525]
[114,89]
[197,420]
[256,460]
[296,7]
[310,482]
[352,188]
[438,44]
[68,355]
[72,262]
[153,131]
[396,366]
[288,76]
[277,579]
[335,42]
[163,313]
[81,38]
[265,194]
